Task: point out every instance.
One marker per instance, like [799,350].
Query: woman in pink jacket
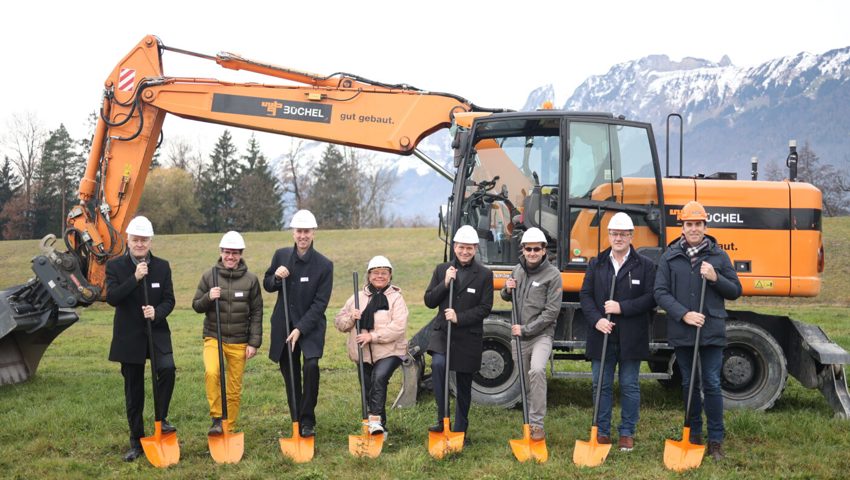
[383,325]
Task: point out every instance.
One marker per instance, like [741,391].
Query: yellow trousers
[234,359]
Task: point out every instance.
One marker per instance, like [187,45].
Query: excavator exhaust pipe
[29,321]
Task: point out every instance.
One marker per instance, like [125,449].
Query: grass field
[68,421]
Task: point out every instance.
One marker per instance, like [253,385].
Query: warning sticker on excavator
[764,284]
[126,79]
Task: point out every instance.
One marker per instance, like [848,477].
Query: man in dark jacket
[241,313]
[681,270]
[127,277]
[308,278]
[628,329]
[473,300]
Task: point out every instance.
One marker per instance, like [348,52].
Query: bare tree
[831,181]
[179,153]
[295,174]
[375,188]
[24,138]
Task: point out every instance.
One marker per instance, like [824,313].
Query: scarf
[377,302]
[694,252]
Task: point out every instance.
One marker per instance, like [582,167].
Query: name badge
[155,285]
[636,282]
[305,279]
[239,294]
[535,284]
[470,290]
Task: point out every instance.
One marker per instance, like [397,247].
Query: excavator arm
[340,108]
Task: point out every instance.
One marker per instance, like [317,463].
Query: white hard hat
[533,235]
[466,234]
[233,240]
[379,261]
[140,226]
[621,221]
[303,219]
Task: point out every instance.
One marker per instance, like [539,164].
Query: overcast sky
[56,55]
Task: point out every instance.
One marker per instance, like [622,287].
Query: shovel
[684,455]
[447,441]
[365,445]
[298,448]
[161,449]
[525,448]
[227,447]
[592,453]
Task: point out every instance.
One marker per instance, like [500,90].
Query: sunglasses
[532,249]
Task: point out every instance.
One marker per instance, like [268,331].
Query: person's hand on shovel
[451,315]
[141,271]
[215,293]
[451,274]
[605,326]
[148,312]
[293,338]
[363,338]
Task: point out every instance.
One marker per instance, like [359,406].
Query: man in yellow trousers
[241,310]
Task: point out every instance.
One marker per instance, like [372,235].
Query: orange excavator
[563,172]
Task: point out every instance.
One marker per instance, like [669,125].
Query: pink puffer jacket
[389,335]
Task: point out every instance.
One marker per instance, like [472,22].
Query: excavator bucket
[161,449]
[227,447]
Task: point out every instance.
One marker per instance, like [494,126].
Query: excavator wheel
[754,371]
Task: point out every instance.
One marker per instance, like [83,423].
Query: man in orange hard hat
[678,282]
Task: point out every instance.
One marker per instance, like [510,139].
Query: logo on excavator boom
[272,107]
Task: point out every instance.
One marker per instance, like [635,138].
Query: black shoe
[466,440]
[167,427]
[436,428]
[133,453]
[216,428]
[308,430]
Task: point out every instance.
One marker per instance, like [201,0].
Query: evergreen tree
[258,204]
[9,186]
[217,184]
[57,177]
[334,200]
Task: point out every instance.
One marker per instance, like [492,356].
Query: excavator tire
[754,371]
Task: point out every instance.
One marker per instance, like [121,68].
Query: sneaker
[167,427]
[537,433]
[626,443]
[216,428]
[374,425]
[715,450]
[603,439]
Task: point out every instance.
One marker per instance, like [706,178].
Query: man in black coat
[630,312]
[473,300]
[687,261]
[127,276]
[308,278]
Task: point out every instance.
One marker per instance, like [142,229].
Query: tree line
[187,192]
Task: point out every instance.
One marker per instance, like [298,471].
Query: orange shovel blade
[526,448]
[366,445]
[683,455]
[442,443]
[298,448]
[591,453]
[227,447]
[161,449]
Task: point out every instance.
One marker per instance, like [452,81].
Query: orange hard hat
[693,210]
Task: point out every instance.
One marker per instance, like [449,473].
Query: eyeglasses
[620,234]
[532,249]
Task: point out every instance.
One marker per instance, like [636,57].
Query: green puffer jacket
[241,305]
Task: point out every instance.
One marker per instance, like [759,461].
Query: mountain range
[730,114]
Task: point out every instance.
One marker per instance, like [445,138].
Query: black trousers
[377,379]
[463,384]
[134,396]
[306,396]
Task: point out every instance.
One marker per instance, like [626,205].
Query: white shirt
[616,265]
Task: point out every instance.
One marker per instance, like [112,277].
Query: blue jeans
[710,361]
[629,392]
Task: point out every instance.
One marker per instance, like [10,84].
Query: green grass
[68,421]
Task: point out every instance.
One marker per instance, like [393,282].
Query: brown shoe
[603,440]
[626,443]
[715,450]
[537,433]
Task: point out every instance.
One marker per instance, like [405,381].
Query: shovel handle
[152,351]
[360,367]
[221,379]
[519,360]
[448,348]
[294,406]
[695,358]
[604,354]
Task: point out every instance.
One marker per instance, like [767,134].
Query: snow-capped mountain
[730,113]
